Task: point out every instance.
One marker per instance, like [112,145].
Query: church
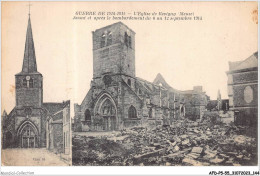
[117,99]
[33,123]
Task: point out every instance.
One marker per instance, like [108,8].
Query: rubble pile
[185,143]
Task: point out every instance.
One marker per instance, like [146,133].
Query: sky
[186,53]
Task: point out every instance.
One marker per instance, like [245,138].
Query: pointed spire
[29,60]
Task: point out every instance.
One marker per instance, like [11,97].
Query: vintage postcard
[130,83]
[35,132]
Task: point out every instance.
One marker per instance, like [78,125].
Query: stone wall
[58,137]
[115,56]
[67,129]
[245,95]
[130,99]
[245,77]
[246,117]
[29,96]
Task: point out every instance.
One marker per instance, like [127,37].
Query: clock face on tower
[28,78]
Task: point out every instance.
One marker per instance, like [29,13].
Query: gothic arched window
[103,40]
[87,115]
[130,41]
[126,39]
[107,108]
[106,39]
[132,112]
[109,39]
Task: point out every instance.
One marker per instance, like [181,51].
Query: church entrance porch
[28,135]
[105,111]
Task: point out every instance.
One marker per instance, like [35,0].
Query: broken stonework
[216,160]
[197,150]
[200,145]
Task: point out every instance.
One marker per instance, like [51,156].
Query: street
[30,157]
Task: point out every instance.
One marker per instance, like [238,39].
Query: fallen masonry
[188,143]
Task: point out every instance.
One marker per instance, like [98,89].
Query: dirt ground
[30,157]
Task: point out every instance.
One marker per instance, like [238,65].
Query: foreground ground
[31,157]
[185,143]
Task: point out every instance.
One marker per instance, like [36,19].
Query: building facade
[117,99]
[58,128]
[26,125]
[196,102]
[243,90]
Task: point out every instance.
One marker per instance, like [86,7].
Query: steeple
[28,83]
[29,60]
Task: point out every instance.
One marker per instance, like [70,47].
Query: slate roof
[250,62]
[152,86]
[54,107]
[29,60]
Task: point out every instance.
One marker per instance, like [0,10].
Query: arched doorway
[105,114]
[109,115]
[28,135]
[87,115]
[132,112]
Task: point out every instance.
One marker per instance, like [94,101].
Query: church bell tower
[28,82]
[114,50]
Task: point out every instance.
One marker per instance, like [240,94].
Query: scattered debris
[186,143]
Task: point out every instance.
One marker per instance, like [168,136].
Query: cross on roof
[29,8]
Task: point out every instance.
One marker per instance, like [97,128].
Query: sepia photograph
[129,84]
[34,132]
